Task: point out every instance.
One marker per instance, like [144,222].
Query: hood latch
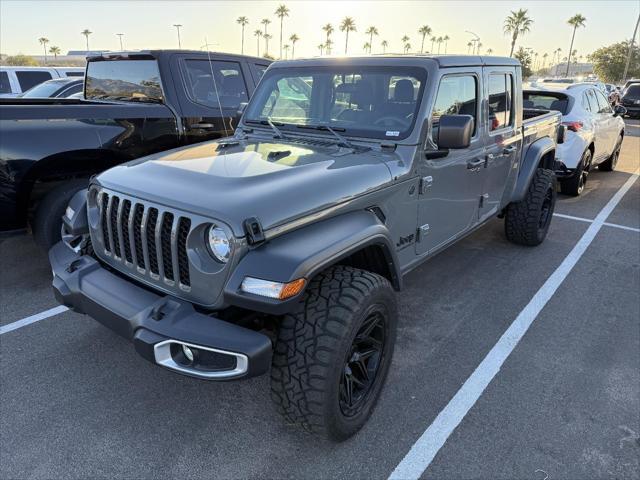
[253,229]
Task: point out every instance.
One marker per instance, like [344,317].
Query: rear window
[633,91]
[546,102]
[29,79]
[124,80]
[5,86]
[74,74]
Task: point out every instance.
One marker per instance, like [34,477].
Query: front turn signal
[270,289]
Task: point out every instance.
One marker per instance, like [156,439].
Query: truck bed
[538,123]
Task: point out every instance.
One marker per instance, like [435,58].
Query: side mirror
[619,110]
[455,131]
[241,108]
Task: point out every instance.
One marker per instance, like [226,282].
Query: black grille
[129,233]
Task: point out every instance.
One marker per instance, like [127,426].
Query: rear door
[503,139]
[213,92]
[608,121]
[451,185]
[599,127]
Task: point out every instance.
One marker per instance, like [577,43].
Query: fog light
[187,353]
[267,288]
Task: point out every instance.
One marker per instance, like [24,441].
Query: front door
[451,185]
[214,91]
[503,138]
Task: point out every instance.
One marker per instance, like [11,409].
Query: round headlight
[219,243]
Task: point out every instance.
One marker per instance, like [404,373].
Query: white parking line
[431,441]
[606,224]
[32,319]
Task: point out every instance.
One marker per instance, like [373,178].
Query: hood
[274,181]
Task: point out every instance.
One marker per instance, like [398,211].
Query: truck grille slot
[148,239]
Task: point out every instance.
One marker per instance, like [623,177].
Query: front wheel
[332,356]
[609,165]
[527,221]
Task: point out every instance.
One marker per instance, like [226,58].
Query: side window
[500,100]
[260,69]
[5,86]
[603,104]
[70,91]
[74,74]
[205,78]
[457,95]
[585,102]
[28,79]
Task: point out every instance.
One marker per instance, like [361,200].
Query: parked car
[281,247]
[631,100]
[17,80]
[594,131]
[56,88]
[136,103]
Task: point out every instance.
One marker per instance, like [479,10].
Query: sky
[148,24]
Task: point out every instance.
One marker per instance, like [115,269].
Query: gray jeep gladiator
[281,248]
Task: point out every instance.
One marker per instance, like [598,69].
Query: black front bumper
[150,320]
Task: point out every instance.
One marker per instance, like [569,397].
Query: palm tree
[469,45]
[384,45]
[55,50]
[293,39]
[86,32]
[265,22]
[257,34]
[320,47]
[576,21]
[479,47]
[348,25]
[267,37]
[371,31]
[515,24]
[445,39]
[424,31]
[242,21]
[544,59]
[43,41]
[281,12]
[286,48]
[328,30]
[407,47]
[439,42]
[367,47]
[433,40]
[489,51]
[404,41]
[327,46]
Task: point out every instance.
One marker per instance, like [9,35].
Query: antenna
[215,87]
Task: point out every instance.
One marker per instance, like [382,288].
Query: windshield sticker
[393,133]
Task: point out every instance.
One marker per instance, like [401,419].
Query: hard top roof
[160,53]
[443,61]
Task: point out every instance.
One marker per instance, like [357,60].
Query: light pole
[476,40]
[633,39]
[120,37]
[178,26]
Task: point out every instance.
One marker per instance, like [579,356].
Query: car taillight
[573,126]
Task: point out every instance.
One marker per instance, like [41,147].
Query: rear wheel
[574,186]
[47,221]
[527,222]
[610,163]
[331,357]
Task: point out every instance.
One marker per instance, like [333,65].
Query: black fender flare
[530,163]
[307,251]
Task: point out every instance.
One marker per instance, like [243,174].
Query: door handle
[201,126]
[472,164]
[509,150]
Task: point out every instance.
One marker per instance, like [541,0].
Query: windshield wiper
[268,121]
[343,142]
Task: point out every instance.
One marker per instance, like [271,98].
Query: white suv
[594,131]
[16,80]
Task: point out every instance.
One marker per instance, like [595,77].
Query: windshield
[44,90]
[124,80]
[374,102]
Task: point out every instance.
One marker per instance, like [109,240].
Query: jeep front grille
[146,238]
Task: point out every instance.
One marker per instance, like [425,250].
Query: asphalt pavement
[76,401]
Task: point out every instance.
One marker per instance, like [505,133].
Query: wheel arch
[540,154]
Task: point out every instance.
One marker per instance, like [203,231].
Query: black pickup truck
[135,104]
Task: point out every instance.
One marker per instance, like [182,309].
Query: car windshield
[373,102]
[44,90]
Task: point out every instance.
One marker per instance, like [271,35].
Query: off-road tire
[527,222]
[574,186]
[314,343]
[609,165]
[47,220]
